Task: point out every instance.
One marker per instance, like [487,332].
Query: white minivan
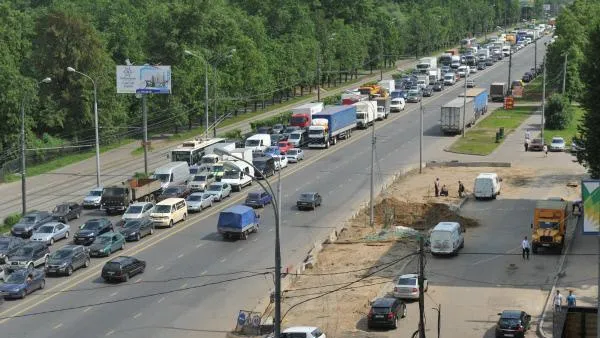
[446,238]
[173,173]
[487,185]
[258,142]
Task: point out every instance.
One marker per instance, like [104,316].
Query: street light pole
[206,97]
[465,102]
[73,70]
[372,198]
[421,137]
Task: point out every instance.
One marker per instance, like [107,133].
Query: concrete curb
[435,164]
[561,263]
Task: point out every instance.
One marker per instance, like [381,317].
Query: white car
[281,161]
[303,332]
[138,210]
[557,144]
[93,198]
[294,155]
[462,71]
[51,232]
[397,104]
[407,286]
[219,190]
[199,201]
[473,69]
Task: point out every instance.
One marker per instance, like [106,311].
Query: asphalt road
[171,299]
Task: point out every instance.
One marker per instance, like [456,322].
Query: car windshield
[253,195]
[231,174]
[252,143]
[298,119]
[24,251]
[306,197]
[95,193]
[197,198]
[94,225]
[171,191]
[206,196]
[557,141]
[27,219]
[292,152]
[509,322]
[214,187]
[112,266]
[294,137]
[103,239]
[46,229]
[199,178]
[163,177]
[407,281]
[61,254]
[134,209]
[162,209]
[61,208]
[16,278]
[548,225]
[291,129]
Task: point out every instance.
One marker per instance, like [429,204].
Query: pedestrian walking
[558,299]
[461,189]
[526,145]
[525,246]
[571,300]
[545,150]
[436,185]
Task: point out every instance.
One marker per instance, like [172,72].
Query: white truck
[422,80]
[483,55]
[238,174]
[455,63]
[389,85]
[210,158]
[366,113]
[426,63]
[243,153]
[258,142]
[435,75]
[383,107]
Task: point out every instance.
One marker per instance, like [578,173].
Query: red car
[284,146]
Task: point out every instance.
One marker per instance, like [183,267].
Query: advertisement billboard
[590,197]
[144,79]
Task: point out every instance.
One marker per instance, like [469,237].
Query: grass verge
[481,139]
[63,161]
[567,133]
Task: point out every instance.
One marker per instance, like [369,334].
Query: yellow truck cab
[549,225]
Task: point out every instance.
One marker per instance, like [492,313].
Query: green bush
[11,220]
[235,134]
[140,175]
[283,118]
[332,100]
[558,112]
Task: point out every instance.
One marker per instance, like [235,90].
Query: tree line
[277,45]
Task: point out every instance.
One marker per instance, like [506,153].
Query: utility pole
[421,138]
[372,202]
[564,82]
[421,291]
[206,97]
[508,90]
[543,98]
[318,74]
[278,258]
[216,86]
[23,184]
[465,104]
[535,57]
[145,127]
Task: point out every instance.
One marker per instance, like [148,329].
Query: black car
[67,259]
[122,268]
[8,246]
[385,312]
[134,230]
[178,191]
[513,323]
[427,91]
[92,229]
[309,200]
[67,211]
[264,130]
[481,66]
[30,222]
[265,165]
[527,77]
[278,128]
[438,86]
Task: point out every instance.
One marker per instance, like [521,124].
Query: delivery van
[446,238]
[487,185]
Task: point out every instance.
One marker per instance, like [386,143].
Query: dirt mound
[421,216]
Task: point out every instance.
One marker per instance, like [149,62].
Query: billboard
[590,197]
[144,79]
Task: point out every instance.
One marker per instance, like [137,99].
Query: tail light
[390,315]
[370,313]
[520,328]
[396,289]
[415,289]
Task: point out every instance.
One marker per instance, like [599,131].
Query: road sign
[509,102]
[590,197]
[144,79]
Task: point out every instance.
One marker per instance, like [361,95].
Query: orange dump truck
[549,225]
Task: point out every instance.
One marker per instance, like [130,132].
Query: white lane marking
[496,256]
[203,273]
[137,316]
[160,300]
[158,268]
[87,309]
[180,256]
[240,249]
[109,332]
[58,326]
[286,195]
[114,293]
[271,229]
[184,285]
[254,240]
[223,260]
[138,280]
[200,245]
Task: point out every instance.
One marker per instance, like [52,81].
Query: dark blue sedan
[258,199]
[22,282]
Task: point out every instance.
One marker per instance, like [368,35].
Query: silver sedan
[199,201]
[294,155]
[51,232]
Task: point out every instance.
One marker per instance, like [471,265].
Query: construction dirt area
[334,293]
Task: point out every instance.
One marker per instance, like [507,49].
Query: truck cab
[549,225]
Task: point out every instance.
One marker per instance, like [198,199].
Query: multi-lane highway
[182,292]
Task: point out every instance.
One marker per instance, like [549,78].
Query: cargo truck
[388,85]
[383,107]
[549,225]
[302,115]
[435,75]
[454,113]
[117,198]
[238,221]
[497,91]
[480,100]
[426,63]
[334,123]
[366,113]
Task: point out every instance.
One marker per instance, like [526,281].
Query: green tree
[558,112]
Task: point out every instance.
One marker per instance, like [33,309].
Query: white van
[238,174]
[487,185]
[174,173]
[169,212]
[446,238]
[258,142]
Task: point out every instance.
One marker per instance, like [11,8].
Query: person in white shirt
[558,299]
[525,246]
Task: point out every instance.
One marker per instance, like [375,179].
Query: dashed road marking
[138,280]
[180,256]
[158,268]
[203,273]
[109,332]
[161,300]
[223,260]
[87,309]
[137,316]
[114,293]
[240,249]
[199,245]
[56,327]
[184,285]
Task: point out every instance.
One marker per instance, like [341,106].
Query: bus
[193,151]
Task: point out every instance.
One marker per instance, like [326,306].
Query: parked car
[294,155]
[134,230]
[122,268]
[22,282]
[200,181]
[91,229]
[513,323]
[576,146]
[51,232]
[280,161]
[309,200]
[536,145]
[303,332]
[414,96]
[278,128]
[258,199]
[427,91]
[66,212]
[138,210]
[93,198]
[407,286]
[385,313]
[30,255]
[527,77]
[30,222]
[470,83]
[107,243]
[8,246]
[67,259]
[178,191]
[438,86]
[557,144]
[199,201]
[219,190]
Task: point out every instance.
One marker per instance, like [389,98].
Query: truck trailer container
[237,222]
[117,198]
[302,115]
[334,123]
[480,100]
[497,91]
[455,114]
[426,63]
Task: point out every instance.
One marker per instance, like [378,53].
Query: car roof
[298,329]
[170,201]
[558,138]
[139,204]
[119,259]
[197,194]
[382,302]
[70,247]
[51,224]
[308,193]
[511,314]
[409,275]
[446,226]
[33,244]
[487,175]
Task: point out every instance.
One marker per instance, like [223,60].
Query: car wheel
[151,231]
[69,270]
[123,245]
[395,324]
[51,241]
[184,217]
[138,237]
[42,284]
[67,234]
[170,223]
[78,215]
[126,278]
[86,263]
[404,312]
[22,294]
